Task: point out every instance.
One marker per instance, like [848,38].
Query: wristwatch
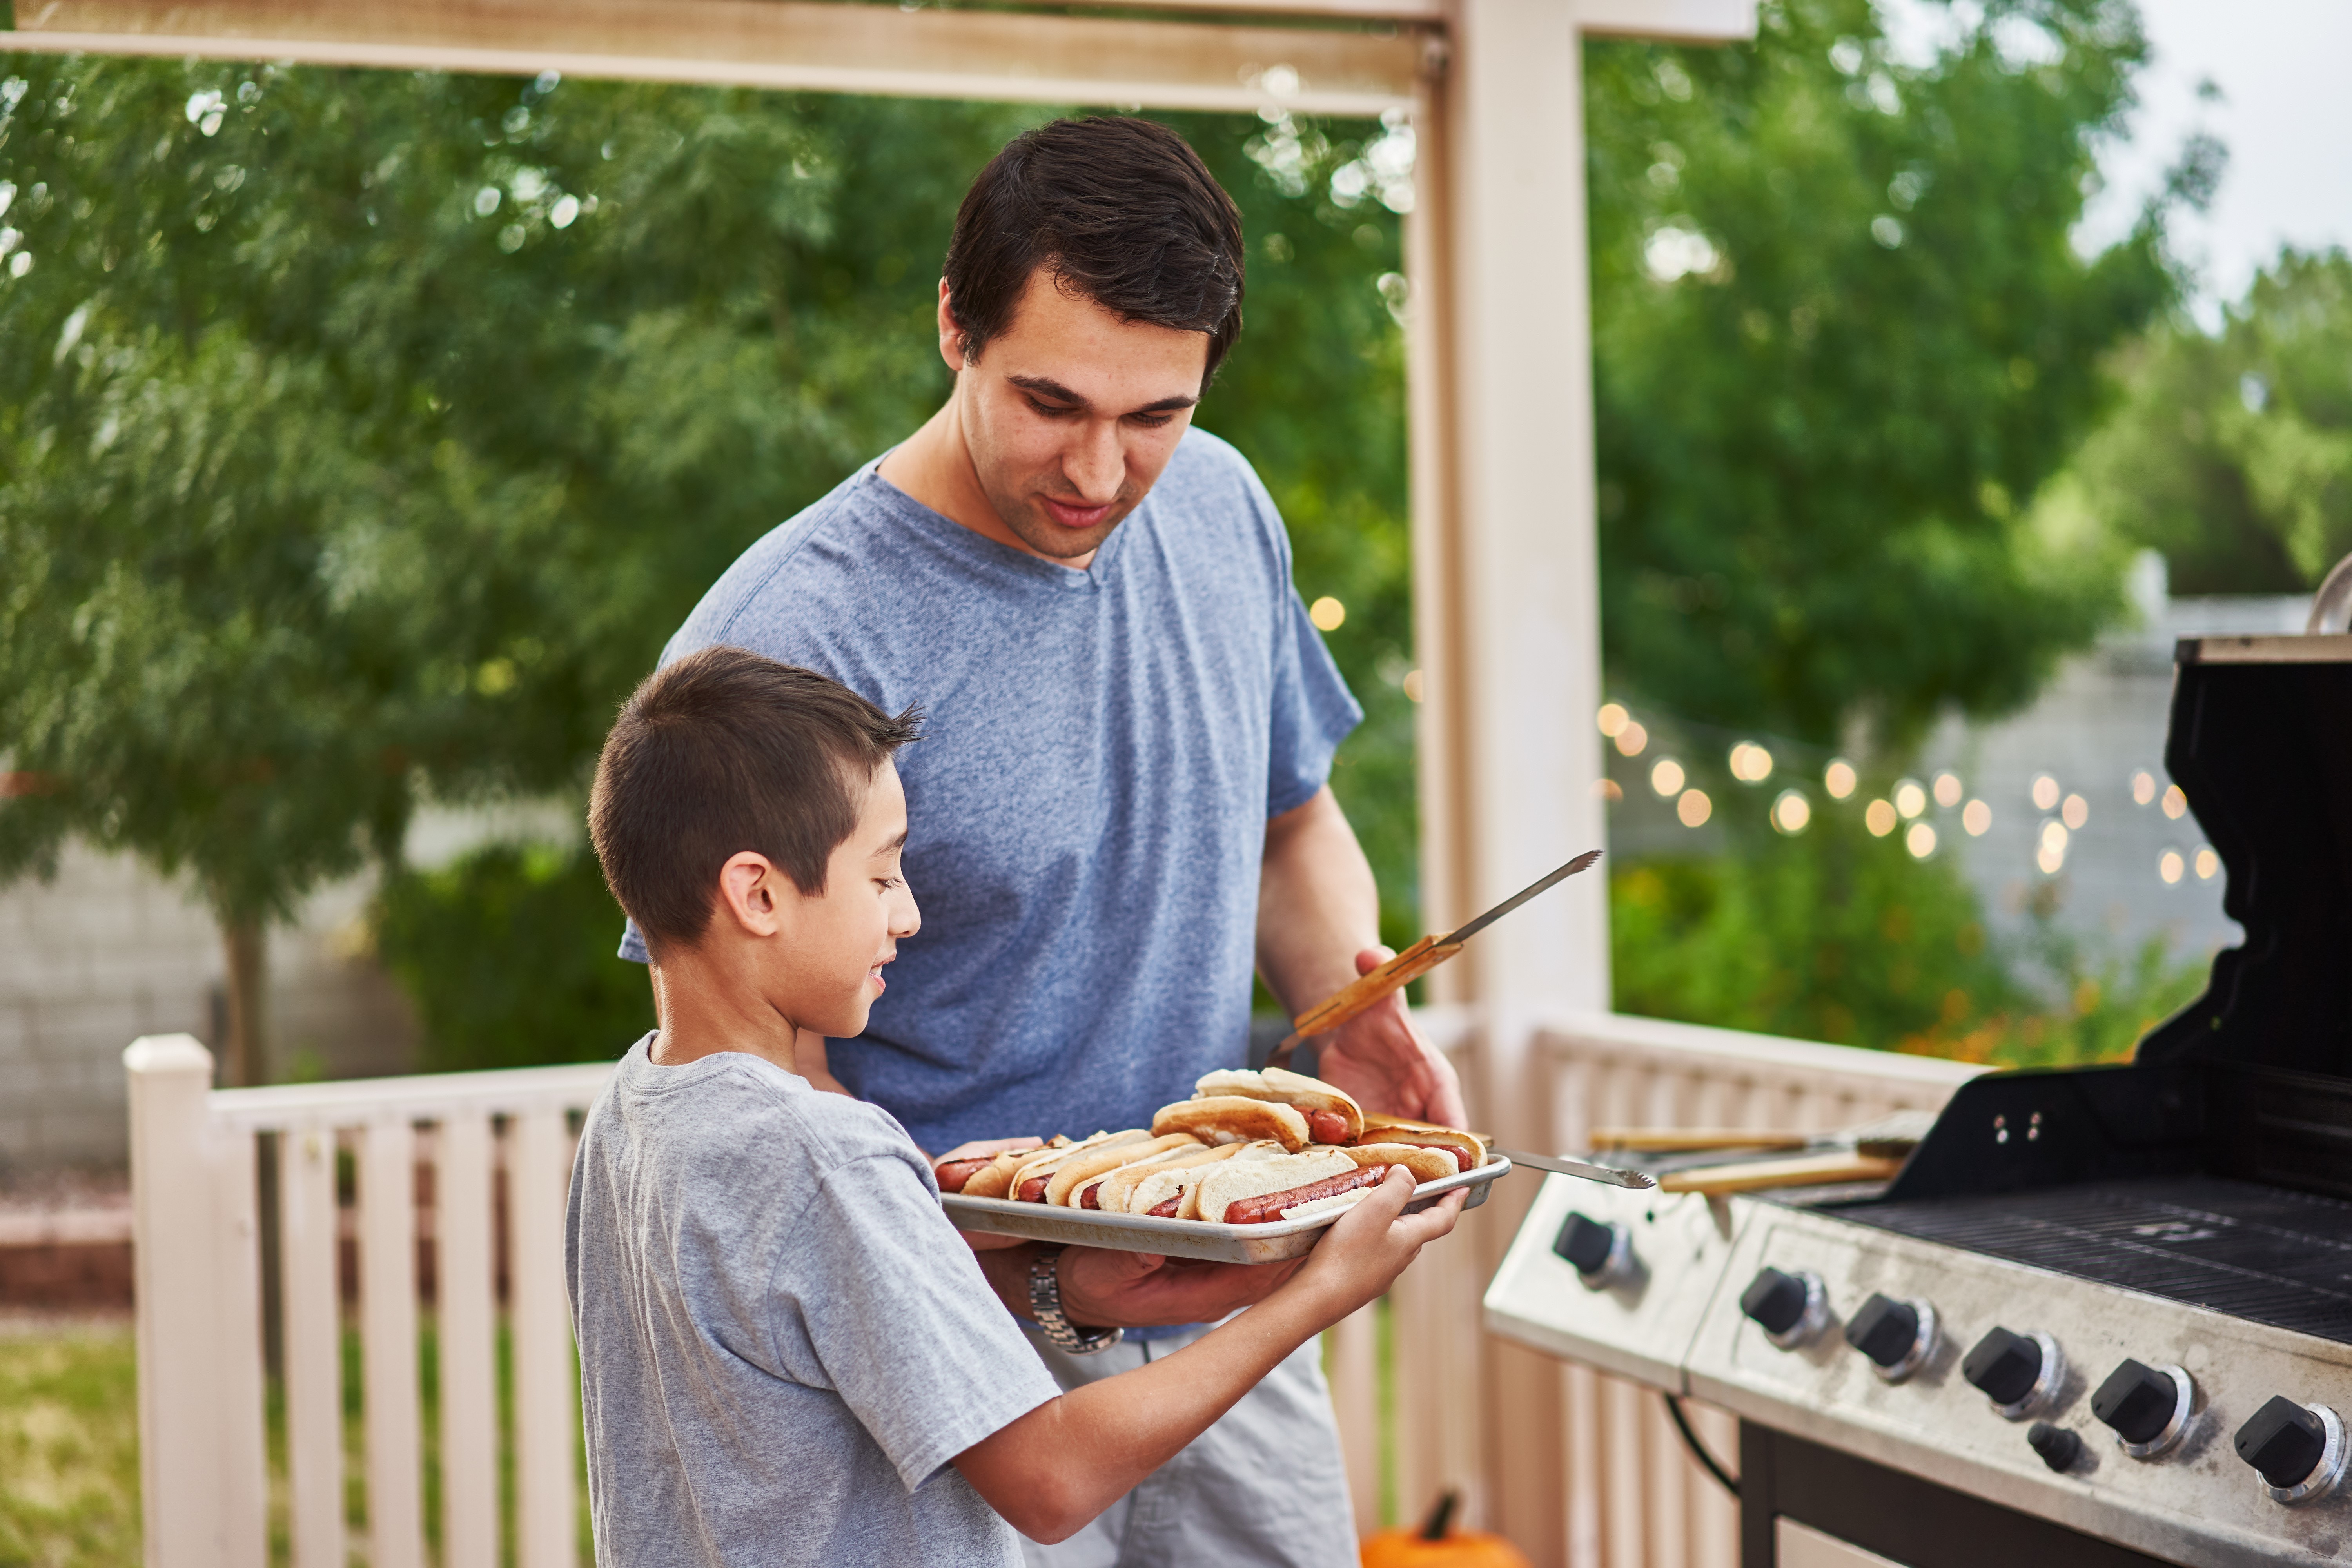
[1045,1302]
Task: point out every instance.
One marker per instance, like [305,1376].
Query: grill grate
[2259,1253]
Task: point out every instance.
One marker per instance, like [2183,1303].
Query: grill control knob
[1601,1252]
[1791,1309]
[2059,1448]
[2149,1406]
[2019,1373]
[2298,1451]
[1898,1336]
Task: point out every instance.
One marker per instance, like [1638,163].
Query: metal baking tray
[1195,1238]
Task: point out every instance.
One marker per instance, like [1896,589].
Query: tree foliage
[2231,453]
[1841,337]
[364,435]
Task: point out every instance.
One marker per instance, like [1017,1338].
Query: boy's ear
[750,888]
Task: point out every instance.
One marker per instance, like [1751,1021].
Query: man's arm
[1318,924]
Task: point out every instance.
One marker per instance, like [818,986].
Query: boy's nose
[906,919]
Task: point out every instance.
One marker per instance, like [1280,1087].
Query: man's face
[1071,413]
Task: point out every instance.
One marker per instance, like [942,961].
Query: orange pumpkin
[1436,1545]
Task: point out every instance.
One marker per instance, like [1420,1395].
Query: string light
[2208,863]
[1879,818]
[2054,836]
[1920,840]
[1327,614]
[1631,738]
[1608,789]
[2143,787]
[1667,777]
[1948,790]
[2176,805]
[1613,719]
[2077,810]
[2168,866]
[2045,793]
[2049,859]
[1412,684]
[1839,778]
[1909,798]
[1750,763]
[1791,812]
[1694,807]
[1977,817]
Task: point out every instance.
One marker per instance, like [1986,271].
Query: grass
[69,1446]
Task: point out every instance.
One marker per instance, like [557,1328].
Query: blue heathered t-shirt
[1087,808]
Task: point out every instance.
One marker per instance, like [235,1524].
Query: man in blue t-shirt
[1121,808]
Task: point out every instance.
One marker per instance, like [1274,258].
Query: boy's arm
[1055,1468]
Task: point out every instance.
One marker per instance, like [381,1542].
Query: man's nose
[1097,464]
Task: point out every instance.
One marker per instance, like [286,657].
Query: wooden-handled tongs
[1410,965]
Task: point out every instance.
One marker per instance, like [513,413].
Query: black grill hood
[2253,1080]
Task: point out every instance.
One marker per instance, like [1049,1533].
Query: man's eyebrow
[1046,386]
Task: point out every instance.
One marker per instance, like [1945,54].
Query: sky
[2279,101]
[2284,69]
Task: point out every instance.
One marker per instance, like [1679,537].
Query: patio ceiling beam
[810,45]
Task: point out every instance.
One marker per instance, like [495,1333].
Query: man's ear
[750,888]
[951,335]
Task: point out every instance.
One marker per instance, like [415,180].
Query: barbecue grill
[2103,1315]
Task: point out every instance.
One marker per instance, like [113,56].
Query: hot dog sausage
[1032,1191]
[1167,1210]
[1327,1127]
[954,1173]
[1268,1206]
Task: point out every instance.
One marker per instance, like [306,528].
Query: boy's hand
[1367,1248]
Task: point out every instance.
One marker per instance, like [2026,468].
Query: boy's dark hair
[1119,210]
[723,752]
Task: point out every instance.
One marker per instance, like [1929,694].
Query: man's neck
[934,466]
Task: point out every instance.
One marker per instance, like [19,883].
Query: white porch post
[1507,624]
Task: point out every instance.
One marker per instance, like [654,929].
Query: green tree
[2231,452]
[1841,337]
[375,429]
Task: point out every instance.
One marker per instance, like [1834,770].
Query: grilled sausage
[1267,1208]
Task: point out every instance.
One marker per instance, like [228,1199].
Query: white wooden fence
[1581,1469]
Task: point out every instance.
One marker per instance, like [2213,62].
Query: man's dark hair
[723,752]
[1117,210]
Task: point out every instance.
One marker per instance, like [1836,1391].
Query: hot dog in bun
[1233,1118]
[1468,1149]
[1085,1164]
[1296,1186]
[1332,1116]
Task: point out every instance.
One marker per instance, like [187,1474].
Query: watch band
[1045,1302]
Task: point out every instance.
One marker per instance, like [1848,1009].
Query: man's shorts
[1263,1486]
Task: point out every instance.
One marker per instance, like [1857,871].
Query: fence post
[196,1268]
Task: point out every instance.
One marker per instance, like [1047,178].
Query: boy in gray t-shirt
[787,1354]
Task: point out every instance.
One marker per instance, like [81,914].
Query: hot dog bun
[1469,1148]
[1176,1181]
[1332,1116]
[1029,1178]
[1239,1179]
[995,1179]
[1233,1118]
[1113,1191]
[1110,1156]
[1427,1164]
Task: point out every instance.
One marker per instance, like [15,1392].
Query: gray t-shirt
[1088,812]
[783,1340]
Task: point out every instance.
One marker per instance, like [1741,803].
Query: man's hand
[1101,1288]
[1316,905]
[1389,1065]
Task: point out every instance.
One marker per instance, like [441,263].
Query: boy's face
[825,970]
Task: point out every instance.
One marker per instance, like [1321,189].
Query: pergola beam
[810,45]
